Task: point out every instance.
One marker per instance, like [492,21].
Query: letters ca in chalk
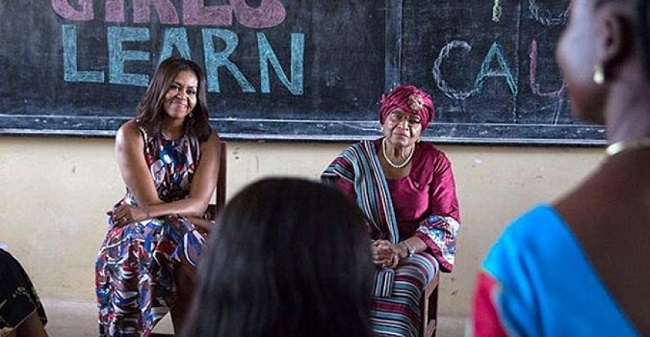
[268,14]
[495,64]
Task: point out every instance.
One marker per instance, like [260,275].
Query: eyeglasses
[400,116]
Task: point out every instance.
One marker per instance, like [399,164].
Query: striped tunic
[422,204]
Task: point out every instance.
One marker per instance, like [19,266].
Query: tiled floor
[78,319]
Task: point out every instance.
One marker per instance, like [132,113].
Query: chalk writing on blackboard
[496,11]
[268,14]
[293,69]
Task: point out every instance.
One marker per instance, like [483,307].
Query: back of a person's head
[289,257]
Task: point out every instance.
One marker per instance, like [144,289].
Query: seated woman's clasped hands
[388,255]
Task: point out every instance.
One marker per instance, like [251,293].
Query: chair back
[220,194]
[221,178]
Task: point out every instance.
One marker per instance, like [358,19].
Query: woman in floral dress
[168,159]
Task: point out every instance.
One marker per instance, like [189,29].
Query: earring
[599,74]
[191,114]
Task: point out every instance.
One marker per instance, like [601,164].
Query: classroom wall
[54,193]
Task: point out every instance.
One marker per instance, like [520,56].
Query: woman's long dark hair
[151,110]
[289,257]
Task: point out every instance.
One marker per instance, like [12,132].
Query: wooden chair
[220,198]
[429,307]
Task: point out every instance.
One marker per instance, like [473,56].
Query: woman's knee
[420,267]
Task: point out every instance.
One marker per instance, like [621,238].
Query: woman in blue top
[577,267]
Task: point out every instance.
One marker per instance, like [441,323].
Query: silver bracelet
[410,249]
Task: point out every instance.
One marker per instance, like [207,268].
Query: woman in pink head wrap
[406,190]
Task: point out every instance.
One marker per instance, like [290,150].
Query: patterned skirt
[135,268]
[399,314]
[18,298]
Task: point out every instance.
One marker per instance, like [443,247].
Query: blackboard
[292,69]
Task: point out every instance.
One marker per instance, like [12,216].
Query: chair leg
[429,308]
[433,310]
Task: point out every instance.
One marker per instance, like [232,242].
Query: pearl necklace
[618,147]
[397,166]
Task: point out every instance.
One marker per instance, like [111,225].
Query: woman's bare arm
[137,177]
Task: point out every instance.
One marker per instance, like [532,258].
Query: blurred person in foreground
[288,258]
[21,311]
[575,267]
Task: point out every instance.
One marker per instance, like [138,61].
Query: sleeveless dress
[134,279]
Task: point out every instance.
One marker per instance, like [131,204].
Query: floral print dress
[135,266]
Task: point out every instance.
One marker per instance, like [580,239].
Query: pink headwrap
[409,99]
